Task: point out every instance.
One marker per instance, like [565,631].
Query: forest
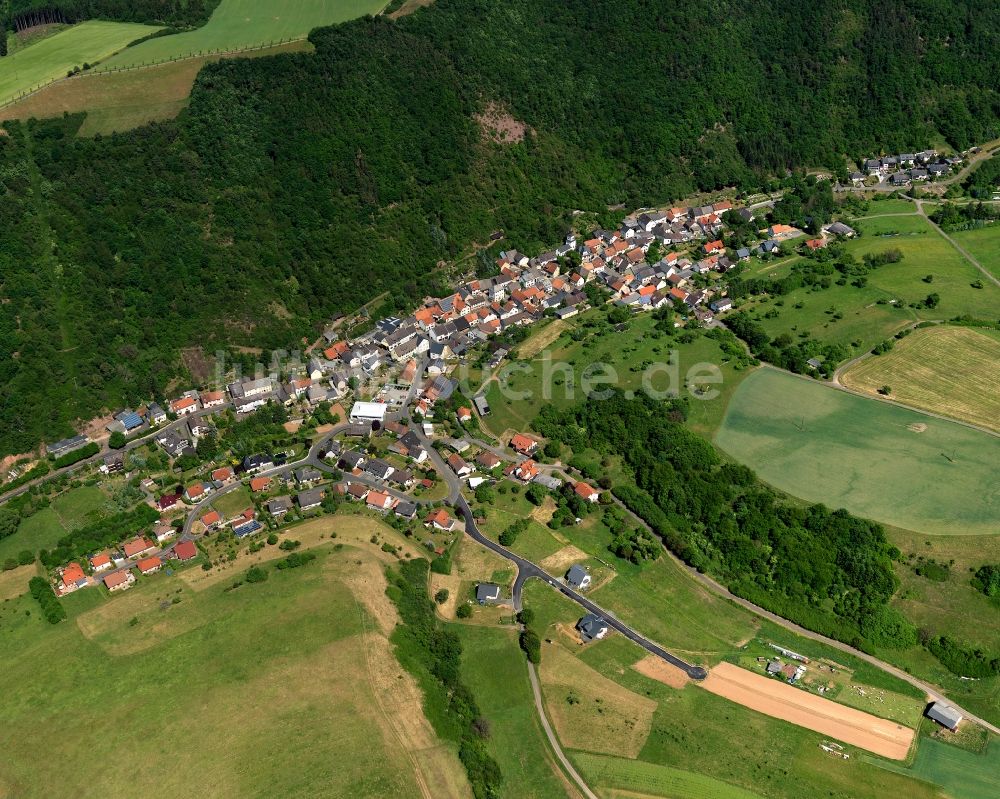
[826,570]
[302,185]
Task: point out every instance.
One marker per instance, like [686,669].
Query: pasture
[952,371]
[120,101]
[52,57]
[984,245]
[876,460]
[220,672]
[240,24]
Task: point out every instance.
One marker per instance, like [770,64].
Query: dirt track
[778,699]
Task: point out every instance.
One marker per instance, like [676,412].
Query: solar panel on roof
[246,529]
[131,420]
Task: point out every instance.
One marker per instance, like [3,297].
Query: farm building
[368,412]
[945,715]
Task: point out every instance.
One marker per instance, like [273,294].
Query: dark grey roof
[311,497]
[406,509]
[352,458]
[279,505]
[576,574]
[591,625]
[378,468]
[487,592]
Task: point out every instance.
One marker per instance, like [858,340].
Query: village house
[137,547]
[523,444]
[119,581]
[149,565]
[278,506]
[487,593]
[307,500]
[440,520]
[185,550]
[379,501]
[163,532]
[578,577]
[183,406]
[586,492]
[100,562]
[458,465]
[592,628]
[259,484]
[487,460]
[72,578]
[223,475]
[211,519]
[212,399]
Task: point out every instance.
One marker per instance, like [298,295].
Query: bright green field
[961,774]
[239,24]
[494,668]
[983,244]
[864,322]
[261,691]
[52,57]
[649,778]
[828,446]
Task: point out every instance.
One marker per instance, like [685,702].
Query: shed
[945,715]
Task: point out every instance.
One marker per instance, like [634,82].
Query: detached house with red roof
[441,520]
[259,483]
[140,545]
[149,565]
[223,475]
[211,519]
[72,577]
[119,581]
[380,501]
[586,492]
[523,444]
[186,550]
[184,406]
[100,562]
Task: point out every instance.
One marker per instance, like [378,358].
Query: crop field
[560,365]
[120,101]
[854,317]
[983,244]
[953,371]
[651,779]
[877,460]
[218,672]
[52,57]
[961,774]
[238,24]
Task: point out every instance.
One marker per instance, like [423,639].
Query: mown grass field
[286,687]
[624,352]
[853,317]
[121,101]
[614,773]
[958,772]
[52,57]
[983,244]
[237,24]
[877,460]
[952,371]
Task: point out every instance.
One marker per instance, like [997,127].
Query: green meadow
[54,56]
[877,460]
[44,528]
[240,24]
[983,244]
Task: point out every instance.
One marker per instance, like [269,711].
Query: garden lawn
[240,24]
[54,56]
[877,460]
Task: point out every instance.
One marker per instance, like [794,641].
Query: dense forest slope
[301,185]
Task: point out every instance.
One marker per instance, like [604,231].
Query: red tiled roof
[135,546]
[149,564]
[185,550]
[72,574]
[210,518]
[116,579]
[100,559]
[259,483]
